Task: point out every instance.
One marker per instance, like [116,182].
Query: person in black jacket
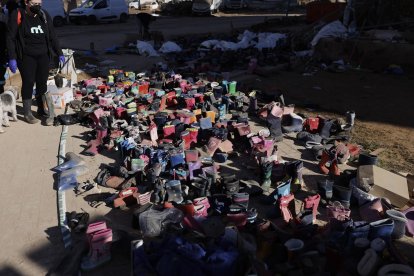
[31,45]
[3,54]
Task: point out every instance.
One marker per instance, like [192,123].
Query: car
[93,11]
[56,11]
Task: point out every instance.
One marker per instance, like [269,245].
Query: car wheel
[123,17]
[58,21]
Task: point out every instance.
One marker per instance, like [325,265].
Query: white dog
[7,104]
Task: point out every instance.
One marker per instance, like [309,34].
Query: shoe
[381,229]
[27,109]
[99,250]
[342,194]
[266,175]
[325,188]
[305,136]
[199,186]
[284,205]
[93,145]
[292,123]
[72,160]
[400,222]
[312,203]
[126,198]
[194,169]
[241,199]
[369,262]
[275,125]
[212,146]
[174,192]
[231,186]
[283,189]
[294,170]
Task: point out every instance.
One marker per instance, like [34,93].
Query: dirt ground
[383,106]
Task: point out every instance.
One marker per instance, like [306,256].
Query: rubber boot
[28,116]
[275,126]
[99,250]
[186,138]
[193,135]
[51,109]
[350,118]
[324,160]
[212,178]
[334,169]
[199,186]
[295,124]
[72,160]
[94,144]
[253,105]
[294,170]
[342,194]
[266,175]
[41,112]
[231,187]
[174,191]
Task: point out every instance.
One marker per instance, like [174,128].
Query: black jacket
[15,38]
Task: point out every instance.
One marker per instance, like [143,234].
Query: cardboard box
[385,184]
[61,97]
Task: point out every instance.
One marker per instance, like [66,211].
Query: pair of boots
[41,101]
[99,240]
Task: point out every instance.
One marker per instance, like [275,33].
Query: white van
[92,11]
[56,11]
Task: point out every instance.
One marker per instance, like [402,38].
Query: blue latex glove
[13,65]
[62,59]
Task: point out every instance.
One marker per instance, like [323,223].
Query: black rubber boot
[275,126]
[27,109]
[294,170]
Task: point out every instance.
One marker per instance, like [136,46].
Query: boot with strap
[28,116]
[47,98]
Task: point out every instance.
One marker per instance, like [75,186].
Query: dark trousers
[33,69]
[2,72]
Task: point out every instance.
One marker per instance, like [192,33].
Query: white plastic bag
[144,48]
[170,47]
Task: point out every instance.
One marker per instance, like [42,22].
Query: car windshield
[88,3]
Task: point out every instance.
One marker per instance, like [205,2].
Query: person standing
[31,46]
[3,54]
[143,20]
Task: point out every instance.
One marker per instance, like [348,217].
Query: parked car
[93,11]
[56,11]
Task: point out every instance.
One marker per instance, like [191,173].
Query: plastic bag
[152,222]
